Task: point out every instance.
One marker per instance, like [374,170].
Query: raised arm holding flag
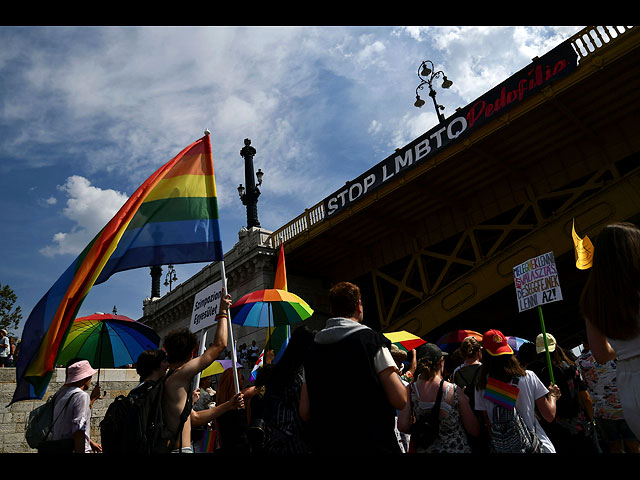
[171,218]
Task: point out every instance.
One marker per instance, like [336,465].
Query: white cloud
[89,208]
[51,200]
[374,127]
[372,52]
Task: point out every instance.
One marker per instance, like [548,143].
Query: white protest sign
[537,282]
[205,307]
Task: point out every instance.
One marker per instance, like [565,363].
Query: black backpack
[134,423]
[426,429]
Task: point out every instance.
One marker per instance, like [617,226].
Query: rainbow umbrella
[269,308]
[107,341]
[452,340]
[405,340]
[218,366]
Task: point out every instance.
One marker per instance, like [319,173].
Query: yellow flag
[583,249]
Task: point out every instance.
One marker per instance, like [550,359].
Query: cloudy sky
[88,113]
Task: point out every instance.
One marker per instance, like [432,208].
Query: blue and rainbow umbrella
[107,341]
[269,308]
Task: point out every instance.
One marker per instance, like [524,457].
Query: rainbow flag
[277,337]
[501,393]
[208,441]
[171,218]
[277,340]
[281,272]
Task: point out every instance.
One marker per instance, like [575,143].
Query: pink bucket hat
[79,371]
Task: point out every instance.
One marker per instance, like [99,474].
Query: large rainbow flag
[171,218]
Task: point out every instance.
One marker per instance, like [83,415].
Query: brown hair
[610,300]
[427,369]
[343,299]
[469,347]
[501,367]
[180,345]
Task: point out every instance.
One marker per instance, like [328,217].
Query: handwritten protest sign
[537,282]
[205,307]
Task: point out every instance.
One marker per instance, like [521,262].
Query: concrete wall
[13,419]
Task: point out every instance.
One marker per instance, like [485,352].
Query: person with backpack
[438,405]
[470,351]
[72,410]
[508,395]
[466,376]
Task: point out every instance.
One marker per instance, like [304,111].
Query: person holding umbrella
[72,410]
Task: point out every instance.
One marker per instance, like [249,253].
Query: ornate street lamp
[428,75]
[249,196]
[170,277]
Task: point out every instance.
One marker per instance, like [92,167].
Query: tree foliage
[10,317]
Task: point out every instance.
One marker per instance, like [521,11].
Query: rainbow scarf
[501,393]
[171,218]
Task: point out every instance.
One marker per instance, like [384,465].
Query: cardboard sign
[537,282]
[205,307]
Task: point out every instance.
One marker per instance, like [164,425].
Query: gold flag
[583,249]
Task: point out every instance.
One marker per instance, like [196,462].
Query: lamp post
[156,273]
[249,196]
[428,75]
[170,277]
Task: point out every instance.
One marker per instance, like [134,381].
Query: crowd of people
[9,349]
[346,389]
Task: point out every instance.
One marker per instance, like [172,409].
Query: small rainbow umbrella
[107,341]
[450,341]
[218,366]
[516,342]
[405,340]
[269,308]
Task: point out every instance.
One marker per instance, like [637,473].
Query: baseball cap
[494,342]
[430,352]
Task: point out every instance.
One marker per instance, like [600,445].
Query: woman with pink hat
[72,410]
[503,382]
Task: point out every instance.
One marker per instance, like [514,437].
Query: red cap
[495,343]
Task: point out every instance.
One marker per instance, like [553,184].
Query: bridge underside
[434,251]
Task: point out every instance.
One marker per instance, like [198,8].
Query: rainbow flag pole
[171,218]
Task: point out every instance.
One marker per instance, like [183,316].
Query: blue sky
[88,113]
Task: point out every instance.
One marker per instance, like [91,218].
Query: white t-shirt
[5,349]
[384,360]
[531,388]
[76,416]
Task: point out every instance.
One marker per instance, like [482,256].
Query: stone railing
[585,42]
[13,419]
[590,39]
